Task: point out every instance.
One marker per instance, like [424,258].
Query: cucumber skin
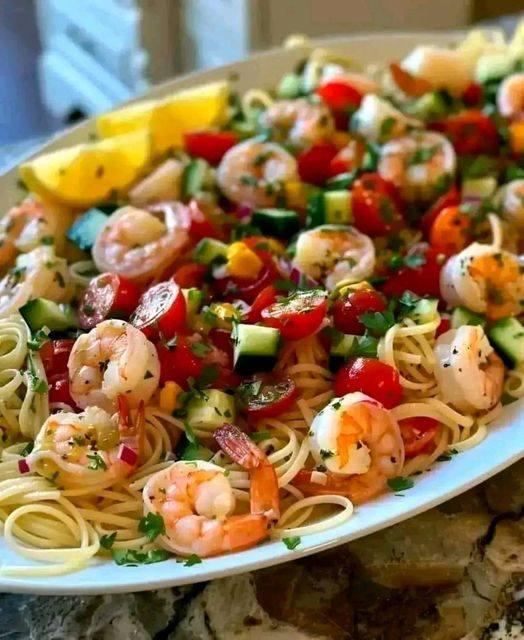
[509,347]
[271,223]
[39,313]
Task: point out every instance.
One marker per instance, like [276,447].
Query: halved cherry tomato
[313,164]
[471,132]
[342,99]
[210,145]
[347,310]
[298,316]
[161,310]
[221,338]
[417,434]
[448,199]
[274,398]
[264,299]
[424,279]
[59,389]
[473,94]
[347,159]
[178,362]
[190,275]
[372,377]
[107,296]
[451,231]
[200,223]
[445,325]
[376,205]
[55,354]
[408,83]
[247,289]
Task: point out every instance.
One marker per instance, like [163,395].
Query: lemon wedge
[90,173]
[132,118]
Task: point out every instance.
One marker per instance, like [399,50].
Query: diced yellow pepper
[242,262]
[169,396]
[225,313]
[296,195]
[345,286]
[516,137]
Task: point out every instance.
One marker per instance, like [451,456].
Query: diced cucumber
[290,86]
[340,350]
[196,452]
[194,178]
[85,229]
[256,348]
[39,313]
[209,249]
[337,207]
[243,129]
[210,409]
[430,106]
[282,223]
[315,212]
[424,311]
[507,336]
[479,187]
[194,298]
[493,66]
[342,181]
[462,316]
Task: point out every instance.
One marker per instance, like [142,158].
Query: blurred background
[61,60]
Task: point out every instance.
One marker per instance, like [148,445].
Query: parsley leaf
[107,540]
[192,559]
[365,346]
[97,462]
[190,434]
[27,449]
[133,557]
[38,339]
[209,373]
[386,126]
[326,453]
[259,436]
[423,154]
[378,322]
[152,525]
[292,542]
[200,349]
[400,483]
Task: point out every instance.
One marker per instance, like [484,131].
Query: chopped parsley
[209,373]
[133,557]
[47,240]
[192,559]
[423,154]
[326,453]
[97,462]
[292,542]
[27,449]
[259,436]
[152,525]
[38,339]
[400,483]
[200,349]
[365,346]
[447,455]
[107,540]
[386,126]
[378,322]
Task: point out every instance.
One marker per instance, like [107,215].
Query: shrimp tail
[264,497]
[132,434]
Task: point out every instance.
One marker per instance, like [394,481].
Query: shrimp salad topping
[237,323]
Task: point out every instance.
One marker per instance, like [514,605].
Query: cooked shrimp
[368,120]
[469,373]
[335,253]
[37,274]
[140,244]
[357,444]
[442,68]
[29,225]
[253,173]
[299,121]
[359,81]
[113,359]
[196,500]
[79,449]
[510,96]
[418,163]
[511,198]
[484,279]
[163,184]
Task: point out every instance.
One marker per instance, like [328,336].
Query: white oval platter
[503,446]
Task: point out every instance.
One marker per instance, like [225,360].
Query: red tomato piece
[107,296]
[470,132]
[178,363]
[445,325]
[210,145]
[376,205]
[200,225]
[418,434]
[247,289]
[313,164]
[161,310]
[424,279]
[55,354]
[59,389]
[264,299]
[221,338]
[274,398]
[473,94]
[190,275]
[449,199]
[372,377]
[342,98]
[298,316]
[347,311]
[347,159]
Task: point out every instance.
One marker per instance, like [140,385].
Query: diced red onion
[127,455]
[243,211]
[23,466]
[472,200]
[298,277]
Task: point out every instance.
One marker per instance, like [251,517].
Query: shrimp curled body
[299,121]
[510,96]
[469,373]
[113,358]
